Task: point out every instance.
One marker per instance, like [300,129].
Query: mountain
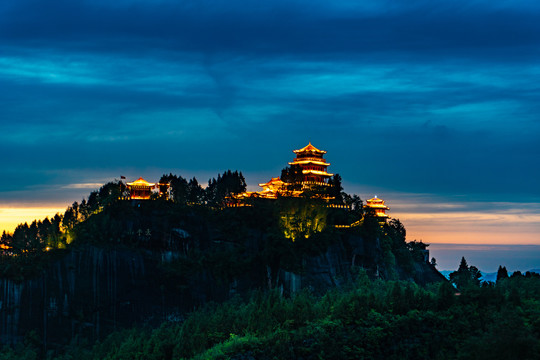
[488,277]
[135,262]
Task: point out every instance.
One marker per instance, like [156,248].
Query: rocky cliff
[96,289]
[89,292]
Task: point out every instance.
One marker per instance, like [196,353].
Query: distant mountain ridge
[492,276]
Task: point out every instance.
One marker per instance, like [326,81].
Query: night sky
[433,106]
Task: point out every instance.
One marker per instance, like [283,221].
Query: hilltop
[193,274]
[102,263]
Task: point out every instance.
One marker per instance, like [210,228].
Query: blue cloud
[410,97]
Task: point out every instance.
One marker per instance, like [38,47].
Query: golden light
[303,221]
[313,166]
[469,227]
[10,217]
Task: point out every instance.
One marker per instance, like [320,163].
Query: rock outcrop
[95,289]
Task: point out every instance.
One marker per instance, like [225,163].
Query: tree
[195,193]
[44,230]
[6,239]
[55,234]
[70,218]
[516,274]
[84,210]
[178,187]
[465,275]
[335,189]
[355,203]
[34,242]
[93,202]
[20,238]
[445,295]
[293,176]
[397,230]
[475,275]
[225,186]
[302,218]
[109,194]
[502,273]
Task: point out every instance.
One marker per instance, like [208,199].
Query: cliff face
[337,266]
[90,292]
[95,290]
[325,271]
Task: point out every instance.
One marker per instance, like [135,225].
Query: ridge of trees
[58,231]
[103,219]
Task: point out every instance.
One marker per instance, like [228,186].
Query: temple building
[378,208]
[308,170]
[272,188]
[313,165]
[277,187]
[306,173]
[140,189]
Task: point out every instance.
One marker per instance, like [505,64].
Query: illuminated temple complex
[312,164]
[307,174]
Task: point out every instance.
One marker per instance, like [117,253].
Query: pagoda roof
[315,162]
[316,172]
[377,206]
[273,181]
[309,148]
[140,182]
[376,203]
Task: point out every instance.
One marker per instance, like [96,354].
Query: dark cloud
[413,97]
[291,28]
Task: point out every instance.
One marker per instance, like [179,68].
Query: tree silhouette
[178,187]
[224,186]
[293,176]
[335,189]
[195,193]
[502,273]
[465,275]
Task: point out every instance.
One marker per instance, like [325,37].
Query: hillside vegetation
[370,319]
[273,279]
[198,224]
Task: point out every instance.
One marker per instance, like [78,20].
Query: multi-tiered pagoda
[378,208]
[313,168]
[313,165]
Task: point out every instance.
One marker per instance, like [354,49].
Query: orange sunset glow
[450,226]
[470,227]
[10,217]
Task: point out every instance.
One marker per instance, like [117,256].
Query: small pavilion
[378,208]
[140,189]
